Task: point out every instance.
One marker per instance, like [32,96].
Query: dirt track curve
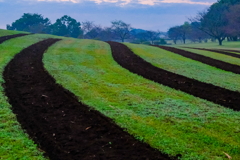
[228,50]
[4,38]
[207,60]
[127,59]
[218,51]
[63,127]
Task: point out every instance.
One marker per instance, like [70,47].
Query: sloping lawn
[9,32]
[212,45]
[169,120]
[187,67]
[14,143]
[218,56]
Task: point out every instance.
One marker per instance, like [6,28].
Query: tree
[174,33]
[233,27]
[213,21]
[121,29]
[140,37]
[66,26]
[94,33]
[87,26]
[34,23]
[184,31]
[106,34]
[196,34]
[153,35]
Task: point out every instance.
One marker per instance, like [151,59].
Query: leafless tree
[121,29]
[87,26]
[153,35]
[212,22]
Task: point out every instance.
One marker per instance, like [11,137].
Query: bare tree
[106,34]
[94,33]
[212,22]
[87,26]
[153,35]
[121,29]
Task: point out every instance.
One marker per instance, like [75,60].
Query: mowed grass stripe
[232,61]
[44,108]
[127,59]
[204,59]
[14,143]
[232,51]
[187,67]
[5,38]
[10,32]
[169,120]
[218,51]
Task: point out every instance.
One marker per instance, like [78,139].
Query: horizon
[141,14]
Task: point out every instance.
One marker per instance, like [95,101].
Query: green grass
[214,55]
[214,45]
[9,32]
[167,119]
[14,143]
[187,67]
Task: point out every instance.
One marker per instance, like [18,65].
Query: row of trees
[220,21]
[69,27]
[187,31]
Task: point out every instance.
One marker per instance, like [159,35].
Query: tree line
[220,21]
[69,27]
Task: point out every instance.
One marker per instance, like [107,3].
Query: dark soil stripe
[127,59]
[218,51]
[207,60]
[228,50]
[4,38]
[53,117]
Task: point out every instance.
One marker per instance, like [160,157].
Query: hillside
[174,122]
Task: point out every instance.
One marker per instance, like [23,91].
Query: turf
[9,32]
[169,120]
[14,143]
[214,55]
[187,67]
[212,45]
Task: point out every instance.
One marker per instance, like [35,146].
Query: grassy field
[167,119]
[213,45]
[14,143]
[8,32]
[214,55]
[187,67]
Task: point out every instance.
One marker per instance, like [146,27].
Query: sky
[143,14]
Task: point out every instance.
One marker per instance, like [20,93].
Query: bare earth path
[207,60]
[4,38]
[127,59]
[229,50]
[53,117]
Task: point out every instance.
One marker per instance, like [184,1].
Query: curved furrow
[127,59]
[218,51]
[207,60]
[229,50]
[4,38]
[53,117]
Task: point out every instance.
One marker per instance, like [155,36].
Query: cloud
[143,2]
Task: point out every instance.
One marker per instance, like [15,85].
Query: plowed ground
[127,59]
[53,117]
[207,60]
[4,38]
[219,51]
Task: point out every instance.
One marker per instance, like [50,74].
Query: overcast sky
[144,14]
